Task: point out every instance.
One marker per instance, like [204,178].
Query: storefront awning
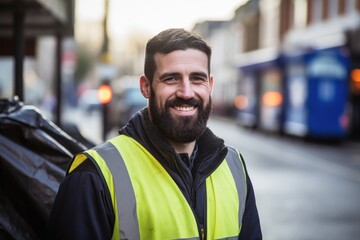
[37,17]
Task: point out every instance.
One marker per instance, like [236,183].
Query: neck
[183,147]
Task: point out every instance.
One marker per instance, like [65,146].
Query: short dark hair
[171,40]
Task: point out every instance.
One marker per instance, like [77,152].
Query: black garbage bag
[34,155]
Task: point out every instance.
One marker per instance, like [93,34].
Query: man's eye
[170,79]
[199,79]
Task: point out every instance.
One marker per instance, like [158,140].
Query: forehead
[189,59]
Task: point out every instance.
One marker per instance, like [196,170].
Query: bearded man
[166,176]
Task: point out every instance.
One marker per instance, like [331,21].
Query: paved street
[304,190]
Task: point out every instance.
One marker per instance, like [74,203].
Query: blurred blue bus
[316,93]
[260,90]
[303,94]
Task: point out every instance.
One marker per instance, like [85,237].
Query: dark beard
[183,129]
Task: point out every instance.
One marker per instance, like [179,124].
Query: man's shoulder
[86,166]
[236,155]
[234,151]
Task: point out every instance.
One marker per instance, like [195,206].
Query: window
[300,13]
[333,6]
[350,6]
[316,12]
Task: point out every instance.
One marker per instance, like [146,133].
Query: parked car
[127,100]
[89,100]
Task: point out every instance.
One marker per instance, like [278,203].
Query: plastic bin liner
[34,155]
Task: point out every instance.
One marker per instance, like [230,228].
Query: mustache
[180,101]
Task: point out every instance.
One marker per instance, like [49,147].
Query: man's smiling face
[180,99]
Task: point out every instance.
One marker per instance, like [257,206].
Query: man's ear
[211,81]
[145,86]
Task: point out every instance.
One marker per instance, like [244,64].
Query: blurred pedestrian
[166,176]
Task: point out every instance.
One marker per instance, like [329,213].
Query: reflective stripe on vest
[149,205]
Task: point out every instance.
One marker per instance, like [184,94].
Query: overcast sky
[152,16]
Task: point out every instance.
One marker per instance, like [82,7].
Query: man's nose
[185,90]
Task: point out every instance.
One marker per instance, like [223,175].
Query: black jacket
[83,209]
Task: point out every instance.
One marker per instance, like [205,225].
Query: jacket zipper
[202,232]
[191,194]
[200,225]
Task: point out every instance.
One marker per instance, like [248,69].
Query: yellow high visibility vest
[149,205]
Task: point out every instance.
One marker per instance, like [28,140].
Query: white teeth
[184,109]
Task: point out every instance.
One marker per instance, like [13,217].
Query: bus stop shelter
[33,151]
[22,22]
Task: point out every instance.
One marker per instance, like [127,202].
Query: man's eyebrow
[169,74]
[201,74]
[176,74]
